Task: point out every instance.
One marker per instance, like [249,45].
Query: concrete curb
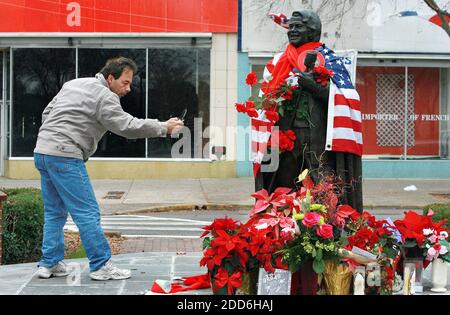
[186,207]
[233,207]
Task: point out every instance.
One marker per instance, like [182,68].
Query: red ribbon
[223,279]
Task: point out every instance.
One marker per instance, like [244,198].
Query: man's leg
[72,182]
[55,217]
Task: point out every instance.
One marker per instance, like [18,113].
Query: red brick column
[2,199]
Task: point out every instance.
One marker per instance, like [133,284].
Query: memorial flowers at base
[290,229]
[422,237]
[436,245]
[231,249]
[379,238]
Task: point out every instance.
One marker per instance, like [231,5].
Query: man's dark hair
[115,67]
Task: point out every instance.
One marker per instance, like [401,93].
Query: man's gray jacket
[79,115]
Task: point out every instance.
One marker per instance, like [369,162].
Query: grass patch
[79,253]
[441,212]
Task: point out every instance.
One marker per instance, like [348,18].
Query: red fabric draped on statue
[284,67]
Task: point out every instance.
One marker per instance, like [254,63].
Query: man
[320,145]
[72,125]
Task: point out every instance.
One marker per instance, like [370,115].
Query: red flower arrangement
[412,226]
[233,248]
[284,141]
[322,75]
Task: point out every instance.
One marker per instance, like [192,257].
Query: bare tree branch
[443,14]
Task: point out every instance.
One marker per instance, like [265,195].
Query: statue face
[302,30]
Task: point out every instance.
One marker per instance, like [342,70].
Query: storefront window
[179,79]
[402,120]
[39,74]
[90,62]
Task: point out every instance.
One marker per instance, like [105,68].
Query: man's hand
[174,125]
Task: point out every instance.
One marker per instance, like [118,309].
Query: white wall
[224,92]
[368,25]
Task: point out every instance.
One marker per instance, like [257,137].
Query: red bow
[223,279]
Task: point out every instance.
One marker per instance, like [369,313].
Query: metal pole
[146,96]
[406,114]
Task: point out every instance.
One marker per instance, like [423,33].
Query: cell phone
[183,114]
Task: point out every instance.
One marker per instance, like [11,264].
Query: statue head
[304,27]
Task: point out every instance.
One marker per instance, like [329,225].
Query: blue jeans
[66,188]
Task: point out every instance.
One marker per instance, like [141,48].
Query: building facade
[186,52]
[402,76]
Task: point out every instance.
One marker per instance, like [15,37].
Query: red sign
[118,16]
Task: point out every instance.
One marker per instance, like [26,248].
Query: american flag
[344,130]
[280,19]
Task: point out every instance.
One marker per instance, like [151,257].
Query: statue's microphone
[310,60]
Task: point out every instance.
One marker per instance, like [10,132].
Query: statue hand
[306,81]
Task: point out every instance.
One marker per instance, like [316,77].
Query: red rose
[325,231]
[272,116]
[251,78]
[311,219]
[285,143]
[249,105]
[240,108]
[290,135]
[288,95]
[252,113]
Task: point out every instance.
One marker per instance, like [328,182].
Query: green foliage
[23,220]
[441,212]
[79,253]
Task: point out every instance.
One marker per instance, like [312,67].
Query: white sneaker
[110,272]
[59,270]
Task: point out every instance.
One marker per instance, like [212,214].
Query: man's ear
[110,78]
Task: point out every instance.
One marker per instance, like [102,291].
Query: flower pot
[439,276]
[249,283]
[338,278]
[221,291]
[304,281]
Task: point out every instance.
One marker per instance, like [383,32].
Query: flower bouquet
[233,251]
[419,233]
[225,255]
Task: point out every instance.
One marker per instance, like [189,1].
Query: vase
[249,283]
[338,278]
[304,281]
[439,276]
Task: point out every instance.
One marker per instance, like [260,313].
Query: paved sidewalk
[152,259]
[145,269]
[137,196]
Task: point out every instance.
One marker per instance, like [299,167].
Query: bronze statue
[310,121]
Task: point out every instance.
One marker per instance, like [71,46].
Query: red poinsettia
[343,212]
[210,259]
[251,78]
[264,201]
[364,238]
[220,224]
[412,226]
